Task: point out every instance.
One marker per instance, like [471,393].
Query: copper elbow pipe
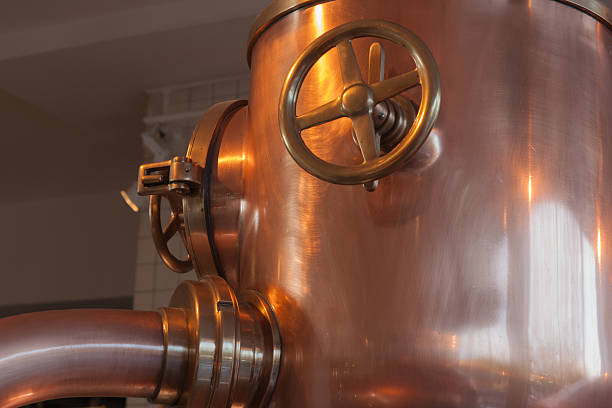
[208,349]
[79,353]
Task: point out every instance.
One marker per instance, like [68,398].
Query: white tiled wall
[195,97]
[154,282]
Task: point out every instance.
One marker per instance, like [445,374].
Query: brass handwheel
[357,102]
[162,236]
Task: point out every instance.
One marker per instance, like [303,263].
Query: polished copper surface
[480,279]
[79,353]
[599,9]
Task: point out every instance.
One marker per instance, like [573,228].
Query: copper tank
[478,278]
[412,210]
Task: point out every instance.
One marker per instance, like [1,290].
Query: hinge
[178,175]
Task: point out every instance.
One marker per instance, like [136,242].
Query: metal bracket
[176,180]
[178,175]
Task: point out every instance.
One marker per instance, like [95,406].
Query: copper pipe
[60,354]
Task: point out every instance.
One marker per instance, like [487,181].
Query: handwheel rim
[161,242]
[412,141]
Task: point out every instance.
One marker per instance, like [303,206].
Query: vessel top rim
[601,10]
[270,15]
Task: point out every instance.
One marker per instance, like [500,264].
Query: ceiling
[35,13]
[73,77]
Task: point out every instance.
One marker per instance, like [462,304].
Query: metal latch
[173,179]
[178,175]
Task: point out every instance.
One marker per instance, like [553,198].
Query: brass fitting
[218,351]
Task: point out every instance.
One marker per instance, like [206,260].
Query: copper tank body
[481,280]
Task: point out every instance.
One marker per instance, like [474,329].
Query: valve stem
[392,120]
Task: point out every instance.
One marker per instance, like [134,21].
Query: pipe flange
[203,151]
[219,351]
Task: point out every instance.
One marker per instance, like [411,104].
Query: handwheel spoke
[348,64]
[363,126]
[172,228]
[325,113]
[376,69]
[394,86]
[176,203]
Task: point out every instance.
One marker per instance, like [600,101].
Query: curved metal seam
[216,138]
[271,15]
[281,8]
[603,13]
[164,356]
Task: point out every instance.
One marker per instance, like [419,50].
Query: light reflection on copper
[598,247]
[505,219]
[391,391]
[530,146]
[256,220]
[600,173]
[318,12]
[554,228]
[529,189]
[226,159]
[21,397]
[47,350]
[490,343]
[320,86]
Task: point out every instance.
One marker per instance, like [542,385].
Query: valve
[188,183]
[362,102]
[171,179]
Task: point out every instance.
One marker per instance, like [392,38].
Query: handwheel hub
[357,99]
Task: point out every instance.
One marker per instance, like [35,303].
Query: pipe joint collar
[218,350]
